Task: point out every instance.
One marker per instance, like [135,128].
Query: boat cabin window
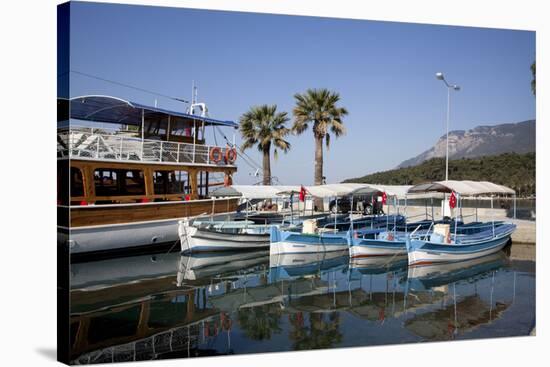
[181,127]
[171,182]
[156,127]
[77,182]
[62,182]
[118,182]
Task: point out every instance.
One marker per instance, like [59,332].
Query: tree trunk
[318,169]
[267,166]
[318,160]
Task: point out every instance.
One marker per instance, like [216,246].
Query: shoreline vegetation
[516,171]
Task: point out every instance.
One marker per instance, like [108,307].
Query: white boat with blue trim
[440,245]
[314,239]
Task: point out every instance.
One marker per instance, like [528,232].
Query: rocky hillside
[481,141]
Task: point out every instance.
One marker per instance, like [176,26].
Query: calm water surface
[173,306]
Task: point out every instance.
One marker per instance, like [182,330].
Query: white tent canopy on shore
[464,188]
[254,191]
[320,191]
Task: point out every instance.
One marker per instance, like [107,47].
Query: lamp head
[439,76]
[456,87]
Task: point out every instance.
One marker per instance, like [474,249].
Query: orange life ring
[231,155]
[215,154]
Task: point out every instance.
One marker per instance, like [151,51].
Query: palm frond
[319,107]
[262,126]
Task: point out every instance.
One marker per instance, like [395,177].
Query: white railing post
[120,151]
[97,148]
[179,145]
[207,154]
[493,215]
[160,157]
[194,152]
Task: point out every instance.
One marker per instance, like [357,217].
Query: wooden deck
[140,212]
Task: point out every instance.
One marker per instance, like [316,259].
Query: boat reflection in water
[233,303]
[201,266]
[460,313]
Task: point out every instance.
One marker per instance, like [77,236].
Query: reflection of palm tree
[259,323]
[323,330]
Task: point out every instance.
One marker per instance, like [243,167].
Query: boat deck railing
[128,146]
[468,233]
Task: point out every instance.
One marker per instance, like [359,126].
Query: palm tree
[318,106]
[263,126]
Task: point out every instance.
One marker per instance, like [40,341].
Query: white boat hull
[370,251]
[122,236]
[194,240]
[426,257]
[285,247]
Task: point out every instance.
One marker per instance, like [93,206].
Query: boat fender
[230,155]
[215,154]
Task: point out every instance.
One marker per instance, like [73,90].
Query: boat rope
[128,86]
[171,248]
[249,161]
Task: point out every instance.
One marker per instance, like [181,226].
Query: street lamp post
[450,87]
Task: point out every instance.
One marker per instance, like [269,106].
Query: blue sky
[384,72]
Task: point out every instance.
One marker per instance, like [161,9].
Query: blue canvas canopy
[110,109]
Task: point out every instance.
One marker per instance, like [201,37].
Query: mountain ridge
[481,141]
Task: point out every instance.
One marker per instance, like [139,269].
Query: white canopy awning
[253,191]
[333,190]
[398,191]
[320,191]
[465,188]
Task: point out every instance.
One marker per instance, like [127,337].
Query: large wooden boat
[128,172]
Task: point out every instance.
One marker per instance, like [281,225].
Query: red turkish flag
[302,193]
[384,198]
[452,200]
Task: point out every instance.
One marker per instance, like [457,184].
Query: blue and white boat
[289,242]
[375,243]
[236,232]
[386,243]
[436,247]
[331,236]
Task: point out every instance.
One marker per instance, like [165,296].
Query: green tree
[319,108]
[263,126]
